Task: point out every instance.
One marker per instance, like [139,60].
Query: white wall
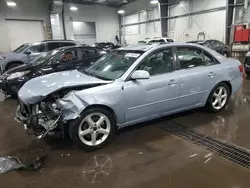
[141,11]
[187,28]
[85,32]
[246,16]
[105,18]
[138,32]
[27,10]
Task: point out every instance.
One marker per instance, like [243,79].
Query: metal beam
[195,13]
[178,16]
[163,7]
[139,23]
[229,19]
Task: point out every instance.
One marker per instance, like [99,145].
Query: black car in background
[216,45]
[106,46]
[60,59]
[247,64]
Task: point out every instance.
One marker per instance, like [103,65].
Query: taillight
[242,71]
[241,68]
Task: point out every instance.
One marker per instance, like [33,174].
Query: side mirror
[140,74]
[28,52]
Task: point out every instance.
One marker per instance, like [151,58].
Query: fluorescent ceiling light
[73,8]
[121,12]
[182,4]
[11,3]
[154,2]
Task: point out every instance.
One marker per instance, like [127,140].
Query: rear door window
[88,52]
[194,57]
[190,57]
[36,48]
[66,57]
[62,44]
[53,45]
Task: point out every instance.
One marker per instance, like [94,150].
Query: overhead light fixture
[73,8]
[153,2]
[11,3]
[121,12]
[182,4]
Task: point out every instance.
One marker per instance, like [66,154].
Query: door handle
[211,74]
[172,82]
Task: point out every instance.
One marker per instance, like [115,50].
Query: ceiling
[113,3]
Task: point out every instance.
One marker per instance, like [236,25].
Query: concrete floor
[142,156]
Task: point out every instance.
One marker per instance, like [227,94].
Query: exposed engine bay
[44,118]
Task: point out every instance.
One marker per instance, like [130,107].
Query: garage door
[84,32]
[20,32]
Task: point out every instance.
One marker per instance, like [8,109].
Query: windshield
[113,65]
[44,57]
[21,48]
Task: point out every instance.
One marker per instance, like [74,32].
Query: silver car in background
[26,53]
[127,86]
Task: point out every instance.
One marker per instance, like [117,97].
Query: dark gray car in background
[215,45]
[26,53]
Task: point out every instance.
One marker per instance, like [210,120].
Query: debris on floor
[65,155]
[10,163]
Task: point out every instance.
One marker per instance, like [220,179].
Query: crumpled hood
[35,90]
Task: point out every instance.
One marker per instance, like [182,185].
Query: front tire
[93,130]
[218,98]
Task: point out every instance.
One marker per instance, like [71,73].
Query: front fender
[74,103]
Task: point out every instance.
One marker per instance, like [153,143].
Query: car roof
[66,41]
[161,38]
[70,47]
[146,47]
[137,47]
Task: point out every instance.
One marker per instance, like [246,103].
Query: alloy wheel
[94,129]
[220,98]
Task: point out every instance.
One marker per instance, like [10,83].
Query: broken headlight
[17,75]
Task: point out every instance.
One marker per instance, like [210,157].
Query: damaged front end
[40,119]
[51,115]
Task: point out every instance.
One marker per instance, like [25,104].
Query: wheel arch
[13,62]
[102,106]
[228,84]
[225,82]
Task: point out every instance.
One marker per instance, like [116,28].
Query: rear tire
[225,54]
[218,98]
[93,130]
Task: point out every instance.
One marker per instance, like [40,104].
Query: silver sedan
[127,86]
